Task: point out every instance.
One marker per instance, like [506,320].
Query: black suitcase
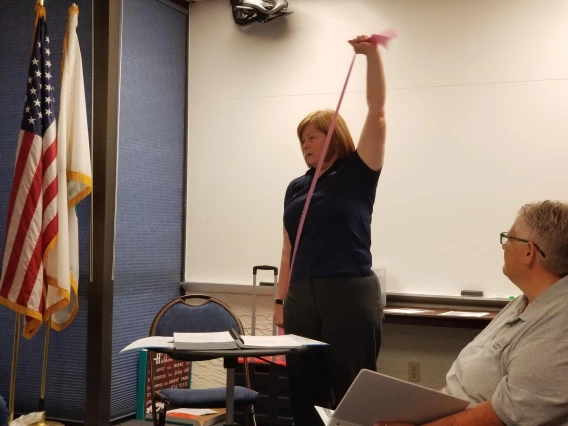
[267,375]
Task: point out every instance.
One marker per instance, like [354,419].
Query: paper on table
[282,341]
[151,342]
[304,341]
[465,314]
[406,311]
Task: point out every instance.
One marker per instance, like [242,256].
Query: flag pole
[43,421]
[15,348]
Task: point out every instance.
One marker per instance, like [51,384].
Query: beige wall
[435,348]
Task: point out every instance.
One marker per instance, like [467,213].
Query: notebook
[374,397]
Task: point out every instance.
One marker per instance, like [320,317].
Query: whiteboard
[477,109]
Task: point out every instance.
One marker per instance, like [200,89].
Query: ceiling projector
[246,12]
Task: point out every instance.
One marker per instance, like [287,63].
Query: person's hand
[278,315]
[362,45]
[393,424]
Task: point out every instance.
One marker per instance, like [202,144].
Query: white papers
[409,311]
[406,311]
[204,341]
[282,341]
[220,341]
[165,342]
[325,414]
[304,341]
[465,314]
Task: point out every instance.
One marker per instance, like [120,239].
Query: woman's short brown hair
[341,143]
[547,224]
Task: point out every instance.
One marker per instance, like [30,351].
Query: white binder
[374,397]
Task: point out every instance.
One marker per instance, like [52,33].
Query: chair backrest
[194,313]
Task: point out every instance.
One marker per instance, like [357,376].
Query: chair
[196,313]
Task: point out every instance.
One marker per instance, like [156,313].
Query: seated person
[515,372]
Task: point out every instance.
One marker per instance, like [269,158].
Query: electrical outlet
[413,371]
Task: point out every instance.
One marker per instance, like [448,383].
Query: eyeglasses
[506,237]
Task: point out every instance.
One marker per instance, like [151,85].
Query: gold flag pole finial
[73,10]
[40,9]
[40,13]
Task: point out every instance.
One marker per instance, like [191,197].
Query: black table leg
[230,420]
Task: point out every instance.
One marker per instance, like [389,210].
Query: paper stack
[204,341]
[286,341]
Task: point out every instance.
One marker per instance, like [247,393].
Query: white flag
[73,151]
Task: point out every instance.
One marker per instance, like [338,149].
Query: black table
[230,362]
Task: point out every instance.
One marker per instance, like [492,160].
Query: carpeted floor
[134,423]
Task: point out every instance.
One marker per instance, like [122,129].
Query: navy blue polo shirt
[336,239]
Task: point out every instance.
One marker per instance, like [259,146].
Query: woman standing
[333,294]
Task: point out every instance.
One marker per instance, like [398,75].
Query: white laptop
[374,397]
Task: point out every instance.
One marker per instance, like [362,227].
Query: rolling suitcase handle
[255,269]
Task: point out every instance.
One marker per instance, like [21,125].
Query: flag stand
[15,348]
[44,422]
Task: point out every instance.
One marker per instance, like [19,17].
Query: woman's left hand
[363,45]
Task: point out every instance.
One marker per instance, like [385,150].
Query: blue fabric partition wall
[150,189]
[65,395]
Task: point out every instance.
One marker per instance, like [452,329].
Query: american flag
[32,226]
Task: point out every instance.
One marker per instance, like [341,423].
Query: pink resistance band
[383,40]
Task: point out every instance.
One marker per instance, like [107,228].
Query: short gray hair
[547,224]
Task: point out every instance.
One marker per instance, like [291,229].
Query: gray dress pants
[346,313]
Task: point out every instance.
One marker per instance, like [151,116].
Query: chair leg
[154,415]
[158,417]
[162,417]
[250,418]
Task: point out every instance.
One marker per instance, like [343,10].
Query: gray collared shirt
[519,362]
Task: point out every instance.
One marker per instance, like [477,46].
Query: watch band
[278,301]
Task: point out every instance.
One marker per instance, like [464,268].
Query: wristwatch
[278,301]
